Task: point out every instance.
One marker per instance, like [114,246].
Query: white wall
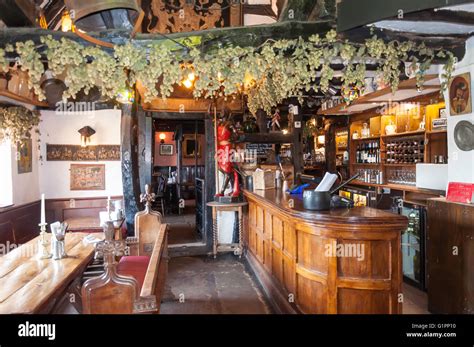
[461,163]
[26,185]
[61,128]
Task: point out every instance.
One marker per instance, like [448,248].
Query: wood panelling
[63,209]
[363,301]
[450,253]
[298,250]
[19,224]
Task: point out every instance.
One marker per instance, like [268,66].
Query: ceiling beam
[250,36]
[260,10]
[304,10]
[456,17]
[18,13]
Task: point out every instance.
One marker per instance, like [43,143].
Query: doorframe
[203,247]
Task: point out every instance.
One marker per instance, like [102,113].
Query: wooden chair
[135,284]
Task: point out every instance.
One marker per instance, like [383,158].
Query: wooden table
[84,224]
[231,207]
[31,285]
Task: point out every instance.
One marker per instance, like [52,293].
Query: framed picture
[87,176]
[25,156]
[191,146]
[460,94]
[166,149]
[442,113]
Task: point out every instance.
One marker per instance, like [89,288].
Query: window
[6,188]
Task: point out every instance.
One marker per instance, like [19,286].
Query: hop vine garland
[17,123]
[267,74]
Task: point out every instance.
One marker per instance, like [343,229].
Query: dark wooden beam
[130,177]
[206,40]
[352,14]
[445,16]
[297,145]
[260,10]
[210,180]
[18,13]
[145,147]
[305,10]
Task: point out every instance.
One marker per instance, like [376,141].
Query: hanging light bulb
[126,96]
[162,137]
[66,22]
[188,83]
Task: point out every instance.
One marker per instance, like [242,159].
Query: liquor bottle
[358,154]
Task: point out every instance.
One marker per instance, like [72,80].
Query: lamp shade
[86,131]
[91,15]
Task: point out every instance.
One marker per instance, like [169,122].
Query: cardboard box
[263,179]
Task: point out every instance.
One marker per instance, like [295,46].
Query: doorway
[179,172]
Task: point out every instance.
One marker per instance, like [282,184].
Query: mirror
[191,146]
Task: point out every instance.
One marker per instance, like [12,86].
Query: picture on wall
[78,153]
[25,156]
[460,94]
[87,176]
[166,149]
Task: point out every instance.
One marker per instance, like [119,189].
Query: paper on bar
[326,183]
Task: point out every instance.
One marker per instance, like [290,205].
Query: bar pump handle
[344,183]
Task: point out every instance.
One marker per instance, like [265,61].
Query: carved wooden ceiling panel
[172,16]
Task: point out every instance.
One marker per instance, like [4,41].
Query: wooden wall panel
[381,255]
[6,233]
[363,301]
[277,264]
[353,265]
[277,236]
[311,252]
[311,296]
[19,224]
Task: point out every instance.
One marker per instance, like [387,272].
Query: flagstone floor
[204,285]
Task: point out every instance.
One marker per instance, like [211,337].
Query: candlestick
[43,252]
[43,216]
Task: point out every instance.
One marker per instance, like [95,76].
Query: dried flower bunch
[267,74]
[17,123]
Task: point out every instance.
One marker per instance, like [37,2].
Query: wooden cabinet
[450,250]
[288,250]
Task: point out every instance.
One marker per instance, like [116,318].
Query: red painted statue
[225,149]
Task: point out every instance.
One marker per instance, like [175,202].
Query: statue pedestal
[227,199]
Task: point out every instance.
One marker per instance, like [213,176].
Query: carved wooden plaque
[172,16]
[78,153]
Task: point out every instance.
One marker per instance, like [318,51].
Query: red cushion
[134,266]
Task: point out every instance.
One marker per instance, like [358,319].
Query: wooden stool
[237,248]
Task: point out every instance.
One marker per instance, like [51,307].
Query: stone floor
[182,228]
[203,285]
[415,301]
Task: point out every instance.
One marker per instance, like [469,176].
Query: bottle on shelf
[370,176]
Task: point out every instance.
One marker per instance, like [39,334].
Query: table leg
[214,231]
[241,250]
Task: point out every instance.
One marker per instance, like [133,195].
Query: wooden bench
[136,283]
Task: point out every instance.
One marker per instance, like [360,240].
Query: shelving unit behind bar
[376,109]
[434,142]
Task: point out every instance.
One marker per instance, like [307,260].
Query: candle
[43,218]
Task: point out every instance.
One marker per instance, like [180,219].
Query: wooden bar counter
[295,253]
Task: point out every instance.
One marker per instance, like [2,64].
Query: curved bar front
[337,261]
